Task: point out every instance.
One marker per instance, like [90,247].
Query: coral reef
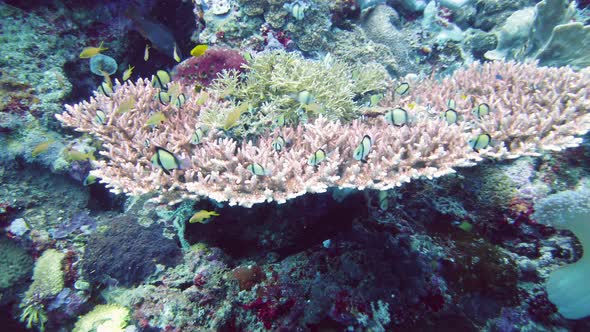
[544,33]
[340,195]
[517,125]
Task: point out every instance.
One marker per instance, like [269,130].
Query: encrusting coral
[544,112]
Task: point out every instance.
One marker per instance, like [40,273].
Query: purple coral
[204,69]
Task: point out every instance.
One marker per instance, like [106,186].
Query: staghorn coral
[545,112]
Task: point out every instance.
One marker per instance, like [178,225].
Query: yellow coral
[48,276]
[103,318]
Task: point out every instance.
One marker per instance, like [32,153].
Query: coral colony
[295,165]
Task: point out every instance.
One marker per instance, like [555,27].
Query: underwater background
[301,165]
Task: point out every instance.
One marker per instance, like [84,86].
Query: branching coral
[544,112]
[275,81]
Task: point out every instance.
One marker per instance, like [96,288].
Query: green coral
[274,81]
[496,189]
[104,317]
[15,264]
[48,281]
[48,276]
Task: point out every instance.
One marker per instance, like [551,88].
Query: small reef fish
[90,179]
[166,160]
[127,73]
[297,10]
[101,117]
[161,79]
[397,117]
[199,50]
[375,99]
[482,141]
[197,137]
[481,110]
[107,78]
[202,217]
[180,100]
[383,201]
[363,149]
[317,157]
[175,55]
[105,89]
[451,104]
[280,120]
[199,88]
[451,116]
[313,107]
[402,89]
[257,169]
[278,144]
[126,106]
[163,97]
[305,97]
[156,119]
[41,147]
[203,97]
[248,56]
[234,116]
[146,53]
[465,226]
[89,52]
[75,155]
[160,37]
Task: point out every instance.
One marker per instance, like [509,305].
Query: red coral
[204,69]
[268,311]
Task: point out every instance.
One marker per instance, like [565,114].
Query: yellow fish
[313,107]
[90,179]
[89,52]
[107,78]
[175,55]
[42,147]
[146,53]
[156,119]
[202,216]
[127,73]
[75,155]
[126,105]
[234,116]
[199,50]
[202,98]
